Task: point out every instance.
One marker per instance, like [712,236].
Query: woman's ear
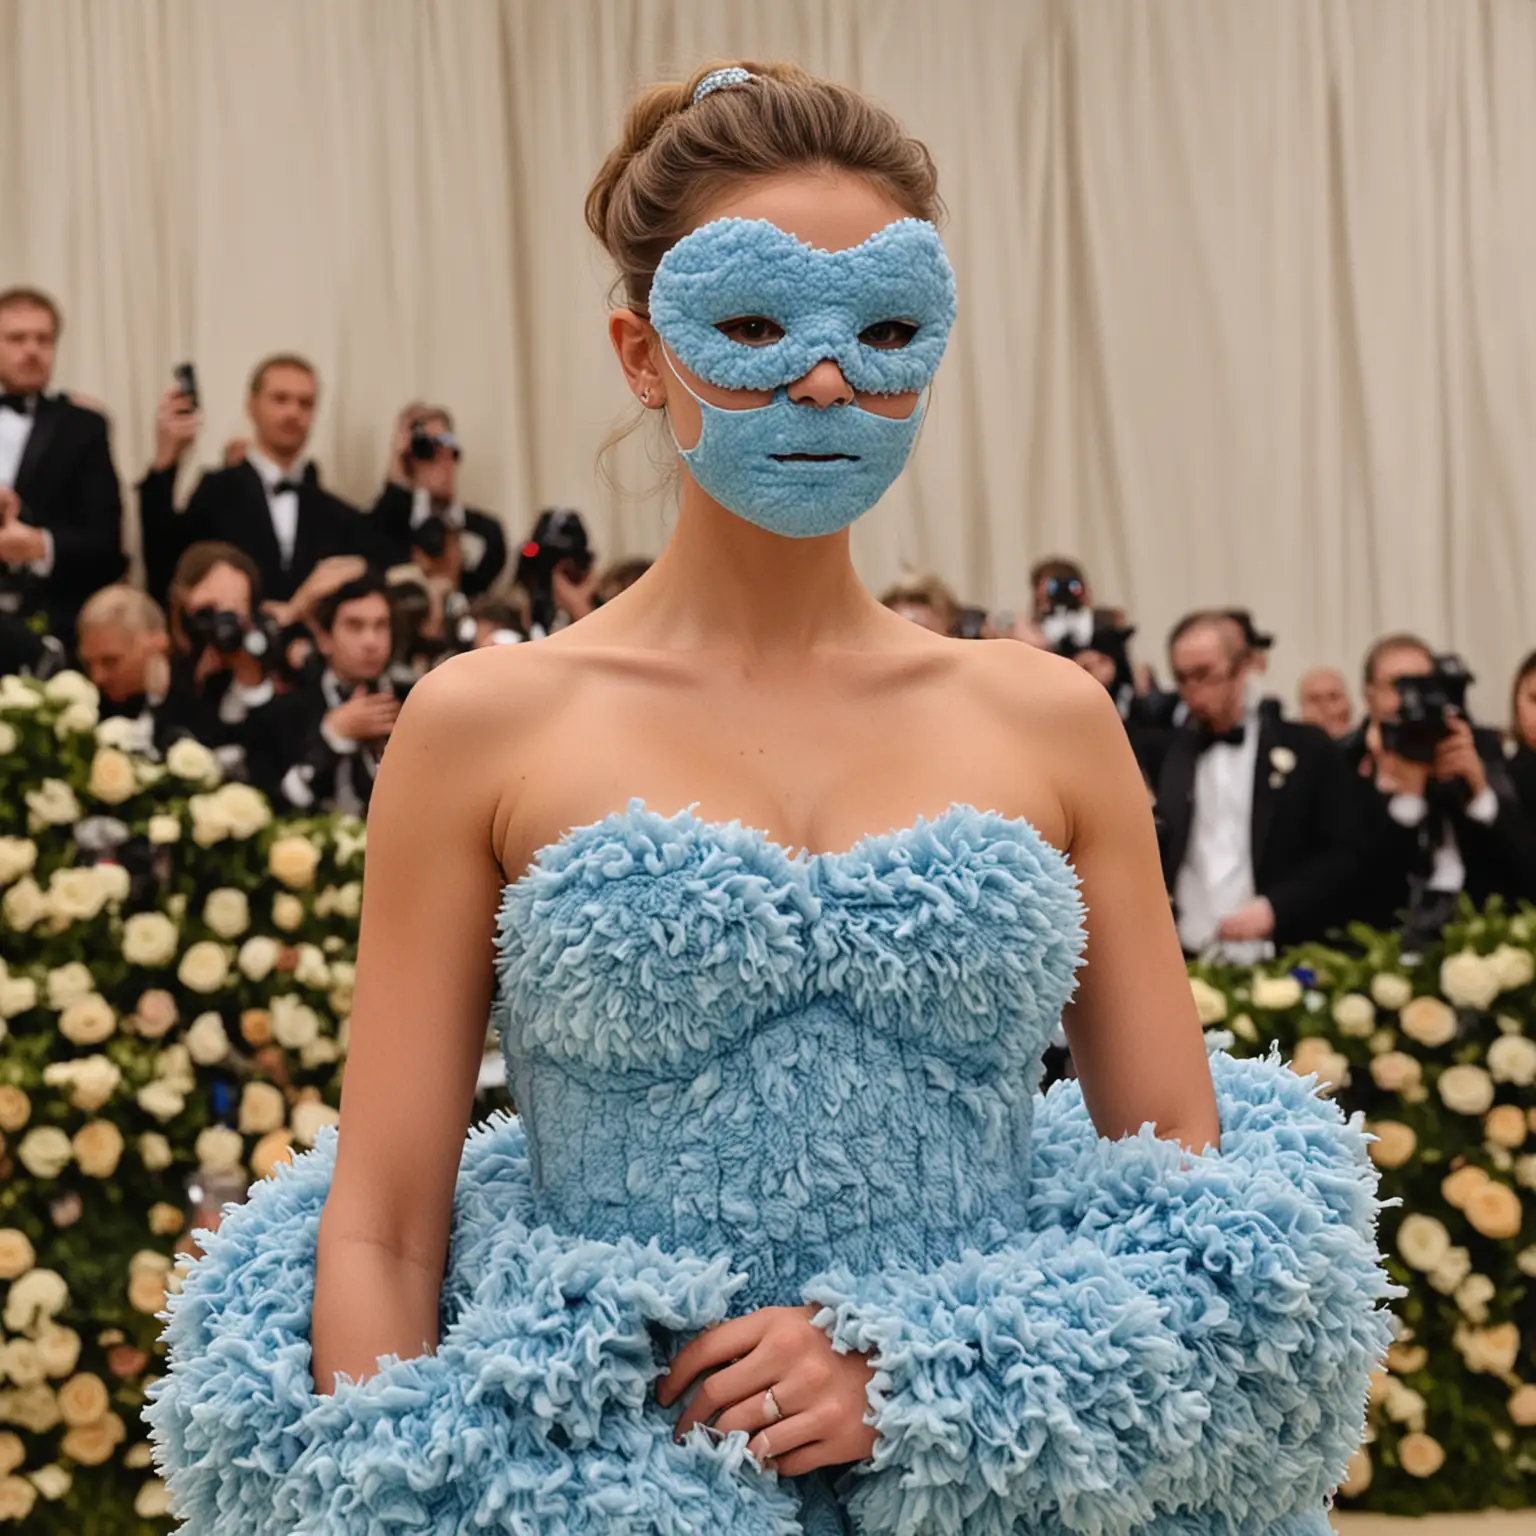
[637,346]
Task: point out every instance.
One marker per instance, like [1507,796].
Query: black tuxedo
[321,773]
[1300,836]
[250,748]
[67,485]
[231,505]
[483,536]
[1499,857]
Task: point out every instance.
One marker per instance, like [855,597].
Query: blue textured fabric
[824,300]
[750,1077]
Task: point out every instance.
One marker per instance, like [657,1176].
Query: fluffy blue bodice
[798,1060]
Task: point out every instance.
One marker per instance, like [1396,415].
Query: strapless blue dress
[747,1077]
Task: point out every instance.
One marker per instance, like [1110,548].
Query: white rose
[90,1081]
[164,829]
[1427,1021]
[20,1361]
[1512,968]
[227,912]
[98,1149]
[293,860]
[68,982]
[1282,760]
[207,1040]
[8,738]
[322,1052]
[307,1119]
[53,803]
[1355,1014]
[1423,1241]
[1451,1270]
[1314,1054]
[220,1149]
[17,693]
[1491,1351]
[1276,993]
[244,810]
[138,1456]
[1466,1089]
[59,1350]
[45,1151]
[112,778]
[24,906]
[88,1020]
[77,720]
[1468,980]
[1512,1059]
[155,1150]
[1391,991]
[349,899]
[18,857]
[160,1100]
[17,1496]
[1396,1072]
[174,1066]
[35,1299]
[312,970]
[204,967]
[257,957]
[150,939]
[121,732]
[1210,1002]
[1473,1295]
[294,1024]
[287,911]
[153,1500]
[52,1481]
[156,1014]
[16,1255]
[1525,1171]
[70,687]
[262,1108]
[192,761]
[18,994]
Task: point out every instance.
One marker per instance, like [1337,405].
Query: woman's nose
[824,385]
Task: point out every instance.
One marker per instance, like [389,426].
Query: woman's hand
[821,1395]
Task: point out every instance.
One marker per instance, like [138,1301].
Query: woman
[787,1093]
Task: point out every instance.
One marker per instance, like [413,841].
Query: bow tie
[1206,738]
[21,404]
[279,486]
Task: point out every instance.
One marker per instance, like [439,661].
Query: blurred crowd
[282,627]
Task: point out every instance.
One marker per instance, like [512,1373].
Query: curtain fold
[1248,295]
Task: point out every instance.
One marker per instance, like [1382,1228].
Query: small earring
[645,397]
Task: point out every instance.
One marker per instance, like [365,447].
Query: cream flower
[1405,1359]
[76,720]
[8,738]
[293,860]
[35,1300]
[308,1118]
[1396,1143]
[1276,993]
[1489,1351]
[1355,1014]
[88,1020]
[1420,1455]
[15,1107]
[164,829]
[92,1444]
[1315,1054]
[262,1108]
[1512,1059]
[1282,760]
[1390,990]
[165,1219]
[174,1065]
[153,1500]
[112,779]
[221,1149]
[83,1399]
[1473,1295]
[294,1024]
[1451,1270]
[207,1039]
[54,804]
[18,857]
[98,1148]
[204,967]
[16,1255]
[1210,1003]
[244,811]
[45,1151]
[1428,1022]
[1522,1405]
[154,1150]
[351,839]
[20,1361]
[1404,1405]
[1394,1072]
[1468,980]
[1525,1171]
[312,969]
[1512,968]
[1458,1187]
[35,1409]
[68,982]
[273,1148]
[150,939]
[1422,1241]
[257,957]
[227,912]
[24,905]
[52,1481]
[1466,1089]
[17,1496]
[155,1014]
[71,687]
[59,1349]
[1494,1210]
[287,911]
[138,1456]
[18,994]
[349,899]
[122,732]
[159,1099]
[192,761]
[319,1053]
[18,693]
[146,1291]
[1505,1126]
[1357,1473]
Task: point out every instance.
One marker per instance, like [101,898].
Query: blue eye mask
[823,300]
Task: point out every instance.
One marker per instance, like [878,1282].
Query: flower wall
[173,1022]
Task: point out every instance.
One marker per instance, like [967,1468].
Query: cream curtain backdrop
[1248,286]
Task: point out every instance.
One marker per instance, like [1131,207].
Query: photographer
[124,648]
[222,689]
[336,728]
[419,517]
[1439,811]
[556,568]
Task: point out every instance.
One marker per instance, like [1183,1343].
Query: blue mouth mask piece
[825,303]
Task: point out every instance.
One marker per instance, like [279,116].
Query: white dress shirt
[15,434]
[1449,870]
[284,508]
[1216,877]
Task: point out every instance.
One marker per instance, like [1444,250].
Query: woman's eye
[752,330]
[888,334]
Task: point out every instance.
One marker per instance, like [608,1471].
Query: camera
[1427,703]
[559,538]
[224,631]
[186,383]
[1067,623]
[430,536]
[424,444]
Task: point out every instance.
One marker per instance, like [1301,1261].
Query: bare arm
[1135,1038]
[424,985]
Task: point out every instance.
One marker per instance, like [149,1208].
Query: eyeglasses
[1202,677]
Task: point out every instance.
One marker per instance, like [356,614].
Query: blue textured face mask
[849,306]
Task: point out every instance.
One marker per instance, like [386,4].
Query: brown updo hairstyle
[676,157]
